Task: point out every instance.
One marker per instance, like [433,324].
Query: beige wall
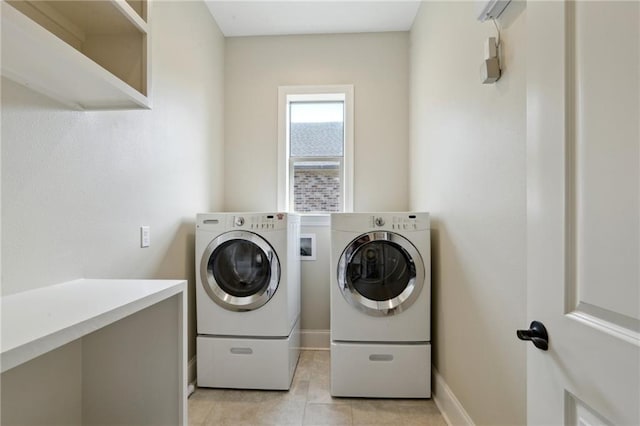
[76,186]
[467,162]
[377,66]
[315,285]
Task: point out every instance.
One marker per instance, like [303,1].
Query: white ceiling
[258,18]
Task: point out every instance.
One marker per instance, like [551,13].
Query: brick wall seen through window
[316,189]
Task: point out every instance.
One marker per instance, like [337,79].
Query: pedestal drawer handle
[241,351]
[380,357]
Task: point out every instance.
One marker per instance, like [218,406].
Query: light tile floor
[307,403]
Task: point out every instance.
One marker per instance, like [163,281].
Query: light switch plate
[145,236]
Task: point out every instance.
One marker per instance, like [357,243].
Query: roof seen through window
[317,129]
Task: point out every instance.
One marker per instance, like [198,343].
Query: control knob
[239,221]
[379,221]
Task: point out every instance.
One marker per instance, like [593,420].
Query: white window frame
[288,94]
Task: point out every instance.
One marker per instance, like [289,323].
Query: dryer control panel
[408,222]
[388,221]
[405,223]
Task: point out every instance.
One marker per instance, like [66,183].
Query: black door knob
[537,334]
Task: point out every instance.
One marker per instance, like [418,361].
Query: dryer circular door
[240,271]
[380,273]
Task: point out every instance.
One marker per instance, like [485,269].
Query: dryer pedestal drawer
[247,363]
[381,370]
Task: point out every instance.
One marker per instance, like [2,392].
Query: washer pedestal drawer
[247,363]
[375,370]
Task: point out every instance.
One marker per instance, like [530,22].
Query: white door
[583,209]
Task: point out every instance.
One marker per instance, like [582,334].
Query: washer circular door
[240,271]
[380,273]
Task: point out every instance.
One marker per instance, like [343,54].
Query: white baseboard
[315,339]
[191,371]
[451,409]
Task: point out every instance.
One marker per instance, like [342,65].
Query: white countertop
[37,321]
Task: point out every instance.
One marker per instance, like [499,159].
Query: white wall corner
[315,339]
[452,410]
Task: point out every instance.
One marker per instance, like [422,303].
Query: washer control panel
[220,222]
[262,222]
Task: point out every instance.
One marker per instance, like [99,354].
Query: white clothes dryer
[380,305]
[247,299]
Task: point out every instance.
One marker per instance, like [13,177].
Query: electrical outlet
[145,236]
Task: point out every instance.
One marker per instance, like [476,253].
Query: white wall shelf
[40,320]
[132,326]
[86,54]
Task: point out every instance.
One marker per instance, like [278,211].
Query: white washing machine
[380,305]
[247,299]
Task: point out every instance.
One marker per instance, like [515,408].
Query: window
[315,161]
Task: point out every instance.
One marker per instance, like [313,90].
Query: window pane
[317,129]
[316,186]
